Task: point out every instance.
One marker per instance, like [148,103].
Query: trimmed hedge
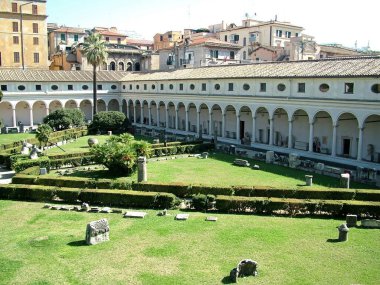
[22,164]
[257,205]
[34,170]
[124,198]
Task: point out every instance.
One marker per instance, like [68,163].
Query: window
[38,87]
[100,87]
[36,57]
[130,87]
[153,86]
[246,87]
[244,41]
[324,87]
[230,87]
[34,9]
[181,86]
[21,87]
[36,41]
[54,87]
[192,86]
[113,87]
[119,40]
[288,34]
[16,57]
[281,87]
[15,40]
[171,86]
[70,87]
[214,53]
[85,87]
[204,86]
[244,55]
[161,38]
[349,88]
[225,38]
[263,87]
[137,87]
[15,27]
[107,39]
[63,37]
[296,34]
[375,88]
[76,38]
[14,7]
[4,87]
[279,33]
[145,87]
[301,88]
[232,55]
[162,86]
[35,28]
[217,86]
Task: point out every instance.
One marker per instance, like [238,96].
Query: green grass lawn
[80,145]
[9,138]
[41,246]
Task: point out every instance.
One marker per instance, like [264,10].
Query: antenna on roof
[275,17]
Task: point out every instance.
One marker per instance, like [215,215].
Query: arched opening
[145,114]
[300,130]
[131,108]
[280,127]
[86,107]
[124,107]
[138,112]
[347,135]
[162,114]
[113,105]
[154,113]
[192,109]
[112,65]
[23,114]
[204,120]
[137,66]
[245,125]
[181,116]
[230,122]
[323,133]
[171,115]
[262,125]
[54,105]
[7,113]
[129,66]
[121,66]
[71,104]
[217,120]
[104,66]
[371,139]
[39,112]
[101,105]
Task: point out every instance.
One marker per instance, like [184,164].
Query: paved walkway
[6,175]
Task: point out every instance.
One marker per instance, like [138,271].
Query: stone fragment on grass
[182,217]
[97,232]
[135,215]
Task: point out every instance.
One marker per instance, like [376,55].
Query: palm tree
[95,51]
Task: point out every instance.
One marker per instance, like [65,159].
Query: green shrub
[107,121]
[23,164]
[214,190]
[21,178]
[64,118]
[34,170]
[165,201]
[199,202]
[178,189]
[368,195]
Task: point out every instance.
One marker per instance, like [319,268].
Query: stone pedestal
[97,232]
[351,220]
[43,171]
[269,157]
[343,232]
[309,180]
[345,180]
[142,174]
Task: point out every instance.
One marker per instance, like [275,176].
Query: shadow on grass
[77,243]
[332,240]
[226,280]
[298,174]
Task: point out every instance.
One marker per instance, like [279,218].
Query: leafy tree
[108,121]
[1,95]
[64,118]
[42,133]
[95,51]
[119,154]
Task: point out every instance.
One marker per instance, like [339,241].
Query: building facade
[328,110]
[23,40]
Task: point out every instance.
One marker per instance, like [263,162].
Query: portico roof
[338,68]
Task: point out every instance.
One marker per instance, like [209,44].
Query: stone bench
[241,162]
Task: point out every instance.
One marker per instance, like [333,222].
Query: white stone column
[290,133]
[31,117]
[167,118]
[311,134]
[142,114]
[223,130]
[121,107]
[360,144]
[198,122]
[187,121]
[253,136]
[158,115]
[134,114]
[271,131]
[14,117]
[47,111]
[106,107]
[210,127]
[333,149]
[238,128]
[149,115]
[176,119]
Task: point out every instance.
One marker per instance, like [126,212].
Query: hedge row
[160,145]
[180,149]
[22,164]
[258,205]
[70,182]
[187,190]
[119,198]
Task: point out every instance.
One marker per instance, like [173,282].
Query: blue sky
[329,21]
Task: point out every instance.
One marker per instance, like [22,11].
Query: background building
[23,37]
